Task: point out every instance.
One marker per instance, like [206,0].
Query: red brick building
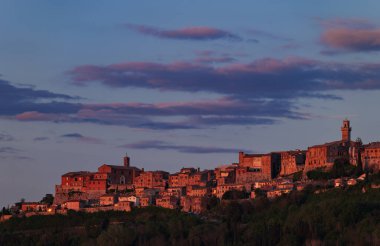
[75,181]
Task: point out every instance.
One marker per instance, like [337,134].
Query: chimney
[126,160]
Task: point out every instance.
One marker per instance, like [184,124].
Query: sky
[177,83]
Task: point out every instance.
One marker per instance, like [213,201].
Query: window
[122,180]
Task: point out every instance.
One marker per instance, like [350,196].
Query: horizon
[177,84]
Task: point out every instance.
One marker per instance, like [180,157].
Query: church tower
[346,131]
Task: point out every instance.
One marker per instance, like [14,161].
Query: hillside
[349,217]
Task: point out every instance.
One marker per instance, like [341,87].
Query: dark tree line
[335,217]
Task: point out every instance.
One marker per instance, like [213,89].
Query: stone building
[151,179]
[108,200]
[85,185]
[190,176]
[292,161]
[171,202]
[261,166]
[324,155]
[370,156]
[196,190]
[221,189]
[33,206]
[226,174]
[75,181]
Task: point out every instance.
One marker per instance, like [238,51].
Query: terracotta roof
[77,173]
[331,143]
[121,167]
[372,145]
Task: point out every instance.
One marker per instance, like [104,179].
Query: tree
[48,199]
[342,168]
[234,195]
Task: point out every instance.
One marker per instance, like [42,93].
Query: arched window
[122,180]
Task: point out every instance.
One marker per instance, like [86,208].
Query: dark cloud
[269,78]
[161,145]
[260,92]
[8,150]
[211,57]
[175,115]
[5,137]
[15,100]
[79,137]
[40,139]
[12,153]
[187,33]
[72,135]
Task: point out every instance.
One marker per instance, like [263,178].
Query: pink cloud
[37,116]
[267,65]
[352,39]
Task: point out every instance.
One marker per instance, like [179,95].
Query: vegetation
[48,199]
[341,168]
[335,217]
[234,195]
[297,176]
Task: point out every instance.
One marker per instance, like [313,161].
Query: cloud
[139,115]
[186,33]
[349,35]
[161,145]
[260,92]
[351,23]
[72,135]
[79,137]
[16,100]
[268,78]
[8,150]
[352,39]
[268,35]
[177,115]
[40,139]
[12,153]
[211,57]
[5,137]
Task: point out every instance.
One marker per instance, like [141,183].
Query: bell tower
[346,131]
[126,160]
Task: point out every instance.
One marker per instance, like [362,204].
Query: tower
[126,160]
[346,131]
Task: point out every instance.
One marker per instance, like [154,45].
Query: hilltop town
[122,187]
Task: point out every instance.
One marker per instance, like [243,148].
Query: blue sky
[177,83]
